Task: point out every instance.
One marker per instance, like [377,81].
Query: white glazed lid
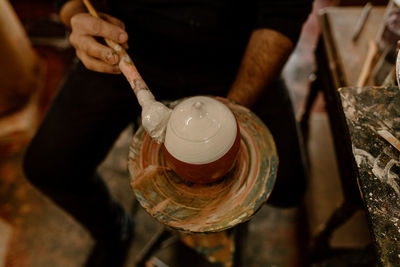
[200,130]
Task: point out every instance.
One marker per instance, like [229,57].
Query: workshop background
[35,232]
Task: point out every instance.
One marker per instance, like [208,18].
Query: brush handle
[155,115]
[126,64]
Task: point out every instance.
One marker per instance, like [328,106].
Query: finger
[94,64]
[85,24]
[117,22]
[99,51]
[113,20]
[125,45]
[92,48]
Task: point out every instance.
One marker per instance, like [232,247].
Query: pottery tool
[361,22]
[155,115]
[390,138]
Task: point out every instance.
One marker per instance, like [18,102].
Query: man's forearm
[262,62]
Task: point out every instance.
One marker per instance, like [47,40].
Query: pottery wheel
[212,207]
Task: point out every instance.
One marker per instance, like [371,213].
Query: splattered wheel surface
[206,207]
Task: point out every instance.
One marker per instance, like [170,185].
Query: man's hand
[94,55]
[84,30]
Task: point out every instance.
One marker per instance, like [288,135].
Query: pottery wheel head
[206,207]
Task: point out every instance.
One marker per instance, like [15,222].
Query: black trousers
[88,114]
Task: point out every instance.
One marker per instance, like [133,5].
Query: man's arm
[263,60]
[277,28]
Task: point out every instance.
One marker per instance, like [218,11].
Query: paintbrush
[155,115]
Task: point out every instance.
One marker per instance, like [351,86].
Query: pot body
[206,172]
[202,139]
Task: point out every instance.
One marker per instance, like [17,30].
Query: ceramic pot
[202,139]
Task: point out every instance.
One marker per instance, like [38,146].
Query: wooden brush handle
[126,64]
[155,115]
[109,42]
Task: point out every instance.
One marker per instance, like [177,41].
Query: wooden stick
[366,69]
[109,42]
[361,22]
[126,64]
[397,65]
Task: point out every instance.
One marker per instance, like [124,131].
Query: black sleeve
[284,16]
